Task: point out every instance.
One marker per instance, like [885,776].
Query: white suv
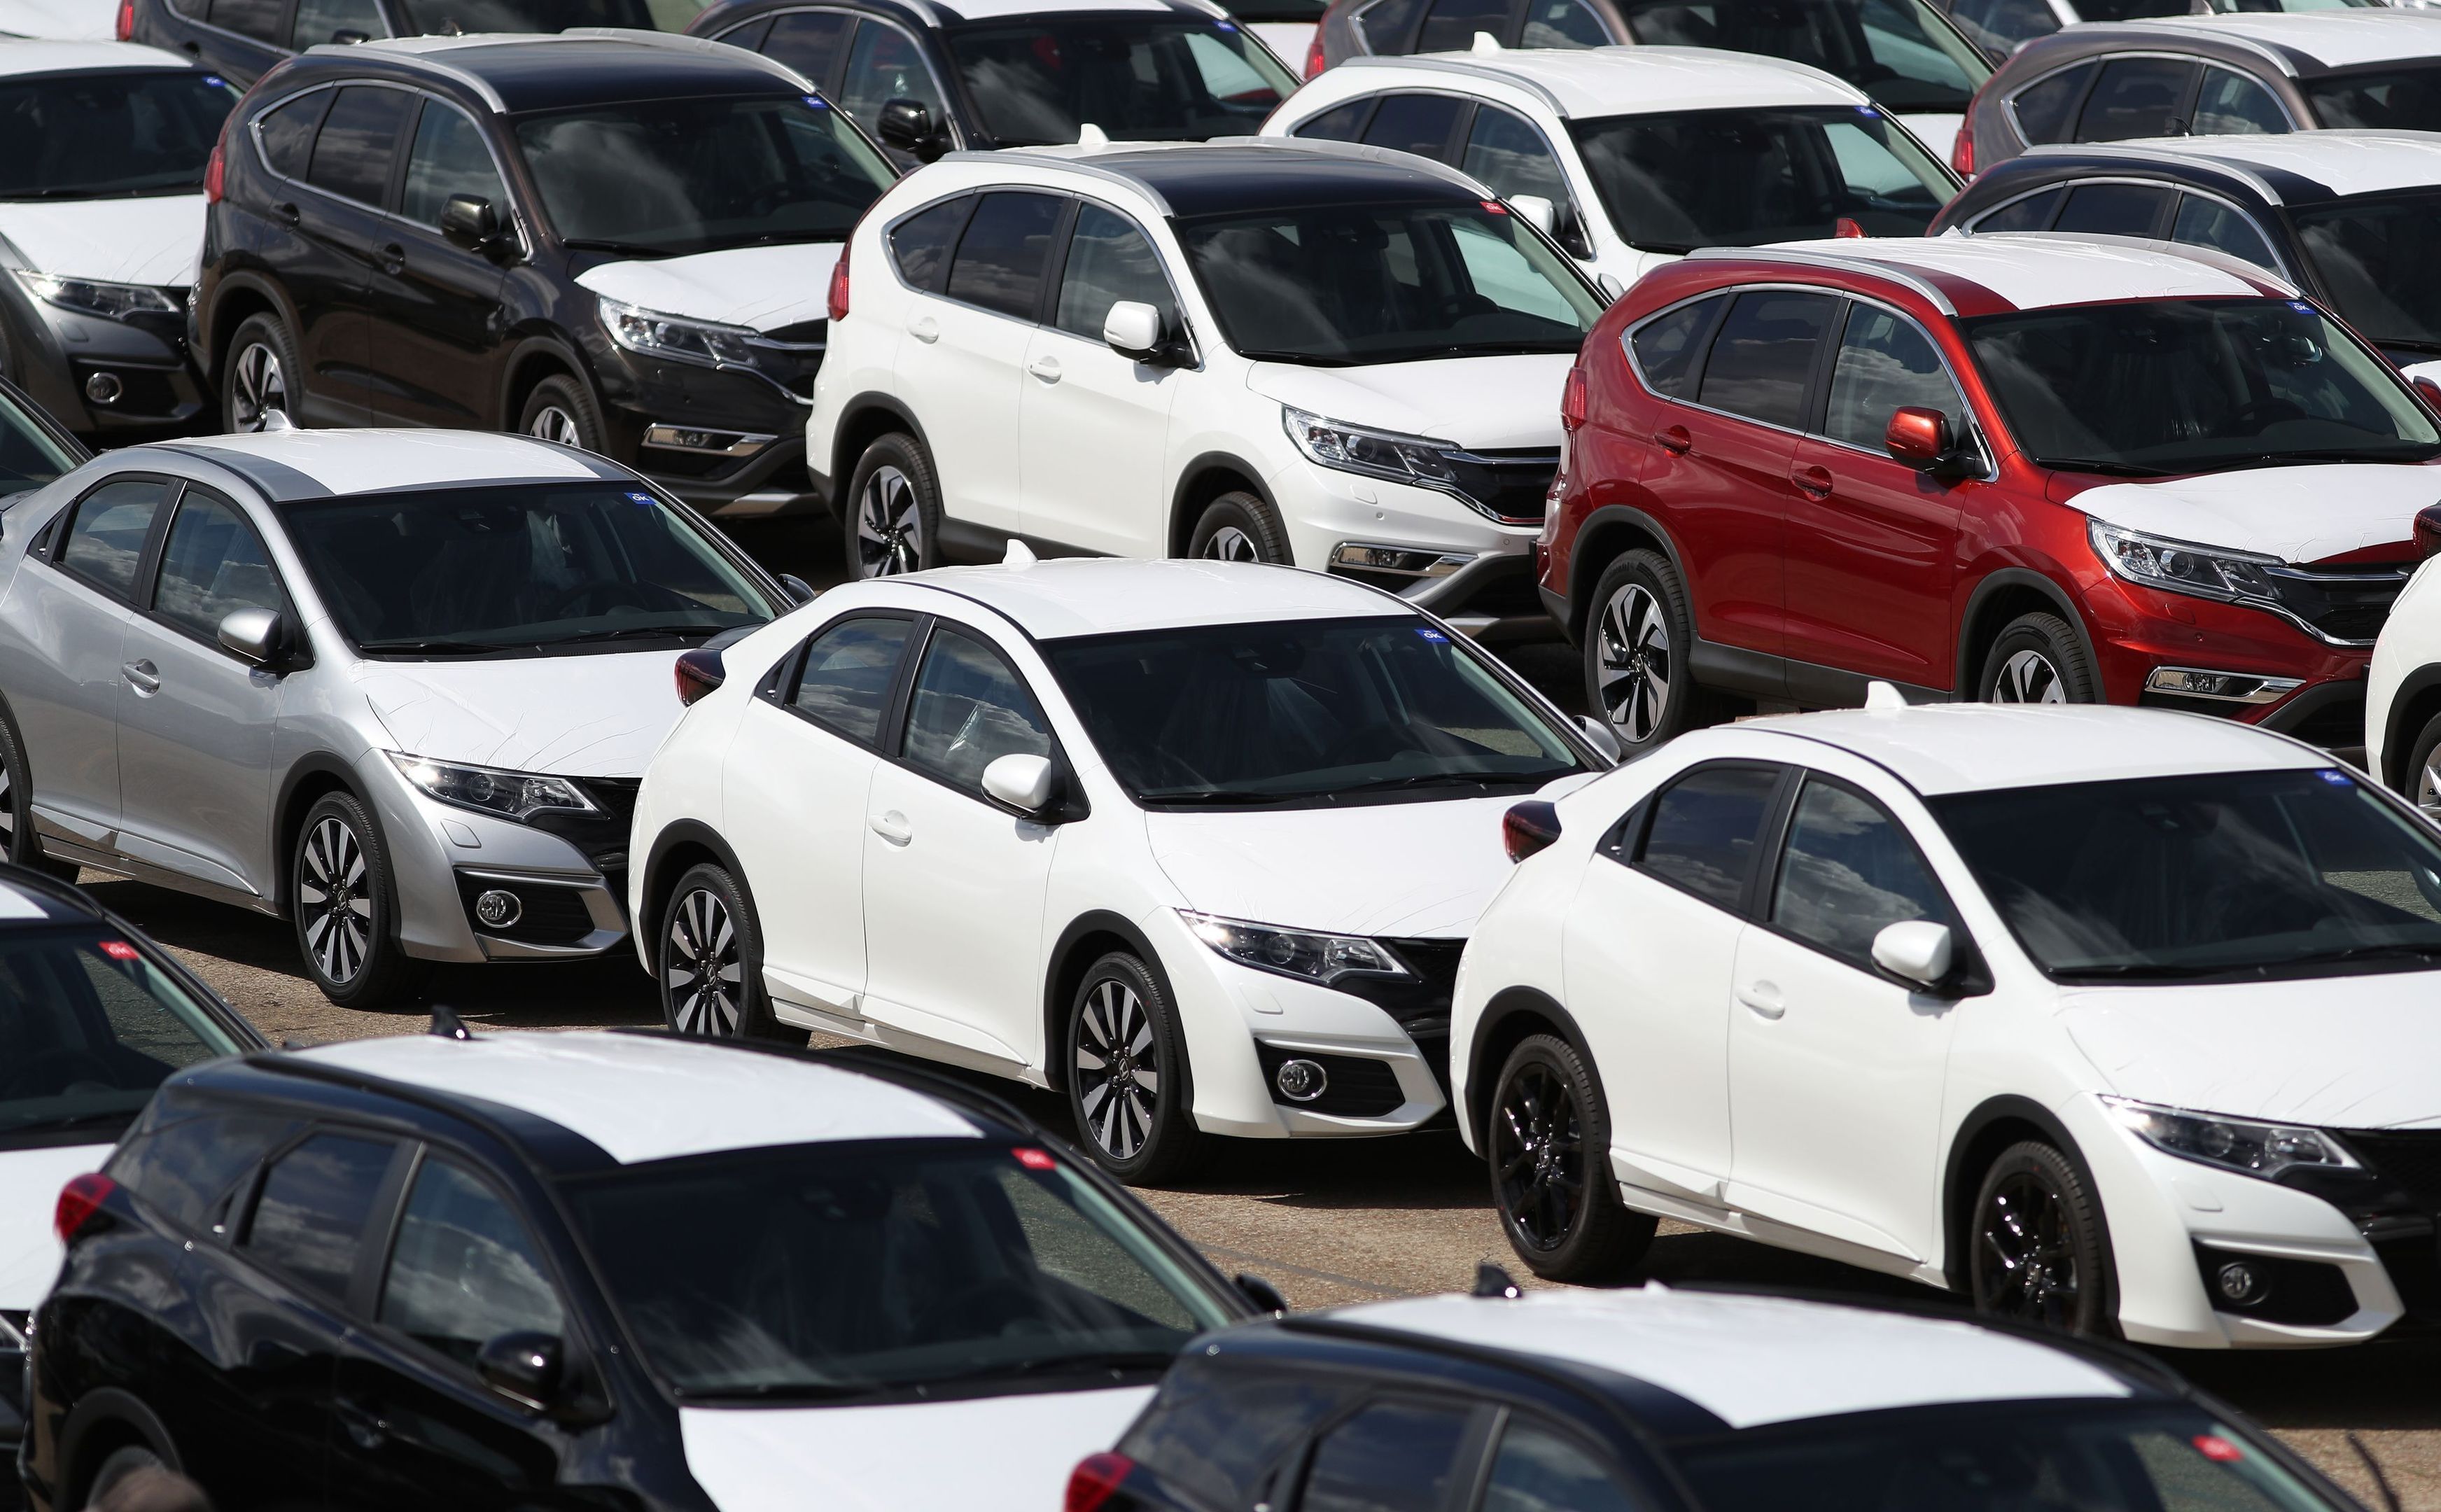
[1255,351]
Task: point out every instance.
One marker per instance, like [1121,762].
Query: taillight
[1845,226]
[2427,530]
[1096,1480]
[1572,400]
[127,20]
[1961,151]
[698,673]
[1314,61]
[78,1201]
[1528,827]
[838,282]
[214,168]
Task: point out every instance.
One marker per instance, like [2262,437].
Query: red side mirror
[2427,530]
[2428,389]
[1528,827]
[1918,437]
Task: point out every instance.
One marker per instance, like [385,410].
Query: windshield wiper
[124,1115]
[2391,950]
[633,249]
[638,632]
[1384,785]
[2089,464]
[804,1391]
[1234,795]
[1096,1359]
[440,648]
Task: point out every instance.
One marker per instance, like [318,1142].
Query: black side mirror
[469,221]
[1261,1292]
[522,1365]
[804,590]
[348,37]
[908,125]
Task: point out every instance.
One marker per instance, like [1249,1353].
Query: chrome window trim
[254,133]
[516,221]
[1571,167]
[2279,265]
[1984,449]
[1732,289]
[2009,101]
[2239,171]
[1186,326]
[2059,187]
[478,86]
[1059,165]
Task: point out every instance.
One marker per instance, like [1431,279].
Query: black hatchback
[617,240]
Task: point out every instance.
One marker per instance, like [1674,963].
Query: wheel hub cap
[1634,663]
[703,971]
[889,526]
[334,901]
[1118,1073]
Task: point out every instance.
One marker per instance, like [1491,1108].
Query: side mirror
[1598,732]
[2428,391]
[799,586]
[469,221]
[1612,286]
[905,124]
[1133,330]
[1261,1292]
[349,36]
[522,1365]
[1919,952]
[1025,784]
[258,635]
[1537,209]
[1918,437]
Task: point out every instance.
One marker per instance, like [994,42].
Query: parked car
[1196,844]
[2031,469]
[2001,26]
[1273,350]
[99,219]
[34,450]
[1675,1399]
[1904,53]
[397,687]
[2403,686]
[60,20]
[2209,76]
[930,79]
[243,39]
[1631,156]
[569,1271]
[618,241]
[93,1017]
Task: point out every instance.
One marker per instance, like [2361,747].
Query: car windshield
[843,1269]
[30,455]
[89,1026]
[2376,253]
[1679,180]
[662,177]
[1899,51]
[520,568]
[452,18]
[2188,385]
[1138,79]
[2069,1456]
[2240,874]
[2404,97]
[90,136]
[1336,285]
[1303,712]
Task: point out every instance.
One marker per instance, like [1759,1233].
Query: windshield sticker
[2337,779]
[1432,634]
[2300,307]
[118,950]
[645,499]
[817,103]
[1868,112]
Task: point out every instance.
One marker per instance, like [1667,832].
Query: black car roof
[516,74]
[1237,178]
[2250,184]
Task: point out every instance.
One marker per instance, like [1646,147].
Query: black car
[598,1270]
[241,39]
[621,240]
[928,76]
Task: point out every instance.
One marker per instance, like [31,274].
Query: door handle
[1764,998]
[393,257]
[287,213]
[893,827]
[1812,480]
[1673,439]
[924,329]
[1046,368]
[142,676]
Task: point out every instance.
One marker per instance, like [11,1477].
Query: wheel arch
[1514,1016]
[1088,938]
[2000,597]
[1607,535]
[104,1421]
[1994,1126]
[681,844]
[2412,707]
[535,357]
[1205,478]
[240,294]
[864,420]
[309,779]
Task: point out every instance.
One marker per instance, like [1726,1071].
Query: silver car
[397,686]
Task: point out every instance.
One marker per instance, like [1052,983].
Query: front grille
[1511,482]
[2346,604]
[2411,1159]
[2393,1203]
[548,913]
[1353,1086]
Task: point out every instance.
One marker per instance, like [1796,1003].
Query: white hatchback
[2112,1018]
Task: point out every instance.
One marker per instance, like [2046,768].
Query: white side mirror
[1918,950]
[1612,286]
[1604,738]
[1537,209]
[1132,328]
[1023,782]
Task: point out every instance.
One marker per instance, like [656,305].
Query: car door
[434,307]
[1872,549]
[195,729]
[793,793]
[939,850]
[340,229]
[1094,425]
[1837,1069]
[1646,956]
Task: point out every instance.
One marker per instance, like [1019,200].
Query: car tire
[1238,526]
[263,374]
[711,954]
[2420,778]
[1547,1144]
[2038,659]
[1638,637]
[562,409]
[118,1465]
[19,845]
[1139,1128]
[343,904]
[893,524]
[2036,1251]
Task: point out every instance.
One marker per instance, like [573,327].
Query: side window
[187,1170]
[1763,356]
[358,142]
[809,41]
[849,667]
[749,36]
[2032,213]
[1511,156]
[1223,1426]
[258,19]
[287,133]
[2231,104]
[884,64]
[1451,25]
[969,708]
[1703,831]
[1415,123]
[1108,260]
[2138,97]
[1389,1457]
[999,260]
[1667,347]
[1850,872]
[1388,26]
[449,159]
[1339,124]
[321,21]
[1562,24]
[1885,362]
[464,1270]
[1537,1470]
[309,1221]
[213,566]
[2045,108]
[921,244]
[2209,222]
[2113,209]
[1998,25]
[105,542]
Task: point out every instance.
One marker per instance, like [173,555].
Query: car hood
[1470,401]
[574,716]
[152,240]
[996,1452]
[762,288]
[66,20]
[2295,514]
[29,1191]
[2337,1052]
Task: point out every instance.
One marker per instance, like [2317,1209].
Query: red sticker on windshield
[119,950]
[2214,1447]
[1033,1160]
[1495,207]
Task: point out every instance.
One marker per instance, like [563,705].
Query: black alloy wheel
[1548,1146]
[2038,1252]
[1127,1074]
[339,890]
[16,800]
[712,959]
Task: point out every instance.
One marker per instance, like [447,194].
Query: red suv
[2009,468]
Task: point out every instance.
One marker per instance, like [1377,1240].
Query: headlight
[2232,1143]
[1374,452]
[2183,567]
[112,301]
[1322,958]
[490,790]
[656,334]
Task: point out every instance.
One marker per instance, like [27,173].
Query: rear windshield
[451,18]
[1138,79]
[1901,52]
[2405,99]
[84,137]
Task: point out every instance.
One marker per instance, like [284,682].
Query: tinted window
[1703,831]
[2032,213]
[749,36]
[809,41]
[1390,1457]
[358,143]
[1220,1430]
[2231,104]
[88,1028]
[28,456]
[186,1170]
[1998,25]
[449,159]
[321,21]
[999,260]
[309,1219]
[2137,96]
[287,133]
[1451,25]
[1339,125]
[2112,209]
[1138,77]
[94,135]
[1763,356]
[2398,100]
[1673,181]
[464,1270]
[1885,362]
[1560,24]
[452,18]
[258,19]
[921,243]
[212,566]
[2045,107]
[1511,156]
[1414,124]
[105,543]
[2377,253]
[1899,51]
[968,711]
[1850,872]
[849,669]
[883,65]
[1539,1471]
[1387,24]
[1667,347]
[2208,222]
[1108,260]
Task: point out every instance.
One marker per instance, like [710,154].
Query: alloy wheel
[2028,678]
[1230,544]
[334,893]
[2026,1260]
[260,385]
[2428,787]
[889,525]
[1636,664]
[553,423]
[1117,1068]
[8,812]
[705,974]
[1538,1156]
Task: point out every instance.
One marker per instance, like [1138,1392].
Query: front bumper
[1419,542]
[684,424]
[64,358]
[2138,631]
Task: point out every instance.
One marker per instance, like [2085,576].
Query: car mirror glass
[1133,330]
[257,635]
[1026,783]
[523,1366]
[1918,951]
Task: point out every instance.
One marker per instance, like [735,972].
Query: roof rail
[1896,273]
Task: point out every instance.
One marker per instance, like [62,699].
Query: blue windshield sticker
[1432,634]
[216,81]
[645,499]
[2337,779]
[2300,307]
[817,103]
[1224,25]
[1868,112]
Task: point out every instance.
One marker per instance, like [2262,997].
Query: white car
[1255,351]
[2114,1020]
[2403,685]
[1197,842]
[1632,156]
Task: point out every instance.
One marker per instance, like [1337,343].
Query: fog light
[1301,1081]
[2240,1282]
[498,909]
[104,388]
[2226,687]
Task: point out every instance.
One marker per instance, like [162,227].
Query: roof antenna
[277,419]
[1020,554]
[1881,698]
[2380,1482]
[1486,42]
[446,1024]
[1490,1281]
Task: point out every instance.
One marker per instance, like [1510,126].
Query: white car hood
[576,716]
[2338,1052]
[1470,401]
[2295,514]
[973,1456]
[61,20]
[30,1193]
[762,288]
[154,240]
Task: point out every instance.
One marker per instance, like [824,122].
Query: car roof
[650,1097]
[1088,596]
[301,464]
[1751,1360]
[2290,168]
[2022,270]
[1252,173]
[2300,42]
[21,57]
[514,72]
[1625,81]
[953,12]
